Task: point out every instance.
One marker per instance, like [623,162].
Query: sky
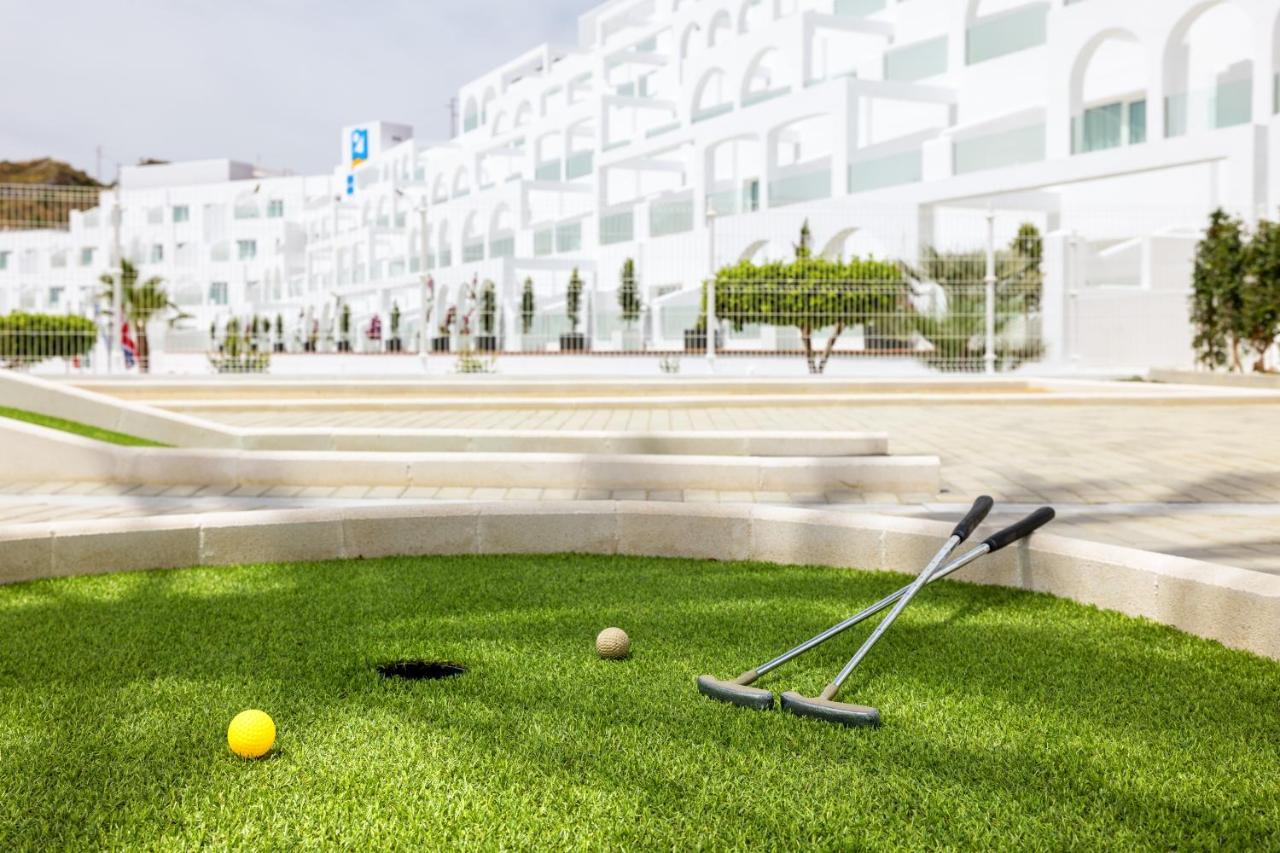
[270,82]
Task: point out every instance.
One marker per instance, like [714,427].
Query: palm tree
[141,302]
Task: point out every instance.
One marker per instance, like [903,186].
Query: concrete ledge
[1237,608]
[34,454]
[1256,381]
[674,443]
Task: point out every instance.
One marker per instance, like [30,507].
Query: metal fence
[260,283]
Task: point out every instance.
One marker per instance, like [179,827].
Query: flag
[127,344]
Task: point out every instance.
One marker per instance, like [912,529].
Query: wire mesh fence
[264,278]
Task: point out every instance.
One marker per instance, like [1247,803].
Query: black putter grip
[981,507]
[1022,529]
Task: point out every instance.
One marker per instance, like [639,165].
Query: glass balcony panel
[916,61]
[1007,32]
[889,170]
[996,150]
[617,227]
[674,216]
[799,188]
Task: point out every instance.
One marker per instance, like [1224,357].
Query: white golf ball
[613,644]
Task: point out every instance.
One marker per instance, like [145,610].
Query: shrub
[27,339]
[1217,292]
[628,296]
[811,294]
[528,307]
[573,300]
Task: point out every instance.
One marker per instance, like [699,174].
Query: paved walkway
[1200,481]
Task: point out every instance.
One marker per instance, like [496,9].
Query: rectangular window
[1137,122]
[157,253]
[218,293]
[181,213]
[86,257]
[4,260]
[617,227]
[916,61]
[246,250]
[1100,128]
[579,165]
[55,297]
[569,237]
[544,242]
[1007,32]
[275,209]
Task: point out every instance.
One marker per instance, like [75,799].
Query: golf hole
[421,670]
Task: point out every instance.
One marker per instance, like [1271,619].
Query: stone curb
[1237,608]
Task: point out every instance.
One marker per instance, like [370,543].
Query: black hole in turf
[421,670]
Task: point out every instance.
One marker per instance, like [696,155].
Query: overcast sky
[267,81]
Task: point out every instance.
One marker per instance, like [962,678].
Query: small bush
[27,339]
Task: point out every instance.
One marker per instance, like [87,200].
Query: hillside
[44,171]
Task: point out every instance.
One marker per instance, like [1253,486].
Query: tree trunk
[830,348]
[806,336]
[144,350]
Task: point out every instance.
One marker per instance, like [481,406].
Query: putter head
[860,716]
[735,694]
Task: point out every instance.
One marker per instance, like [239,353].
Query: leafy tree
[344,324]
[142,302]
[279,328]
[1259,323]
[528,307]
[1217,285]
[812,294]
[628,295]
[395,321]
[573,300]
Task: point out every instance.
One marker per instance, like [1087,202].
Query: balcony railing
[1007,32]
[1001,148]
[1228,105]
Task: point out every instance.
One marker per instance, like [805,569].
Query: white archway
[1109,89]
[1207,84]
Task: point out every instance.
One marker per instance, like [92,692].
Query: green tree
[628,295]
[1217,297]
[1259,323]
[142,302]
[573,300]
[528,307]
[811,294]
[395,321]
[344,325]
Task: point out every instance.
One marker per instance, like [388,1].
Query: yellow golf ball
[251,734]
[613,644]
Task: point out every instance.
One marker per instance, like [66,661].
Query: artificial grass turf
[1011,720]
[77,428]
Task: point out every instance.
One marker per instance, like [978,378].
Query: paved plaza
[1196,480]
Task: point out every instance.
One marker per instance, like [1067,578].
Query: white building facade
[688,134]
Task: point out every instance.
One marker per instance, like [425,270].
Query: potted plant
[575,341]
[440,343]
[630,306]
[394,343]
[488,341]
[344,328]
[279,333]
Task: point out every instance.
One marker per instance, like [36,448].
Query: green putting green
[1011,720]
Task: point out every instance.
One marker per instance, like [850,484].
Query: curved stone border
[1237,608]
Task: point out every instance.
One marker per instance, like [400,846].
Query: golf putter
[825,707]
[740,692]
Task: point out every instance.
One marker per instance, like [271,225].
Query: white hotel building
[1114,125]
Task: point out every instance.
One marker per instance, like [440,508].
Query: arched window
[1208,82]
[1109,93]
